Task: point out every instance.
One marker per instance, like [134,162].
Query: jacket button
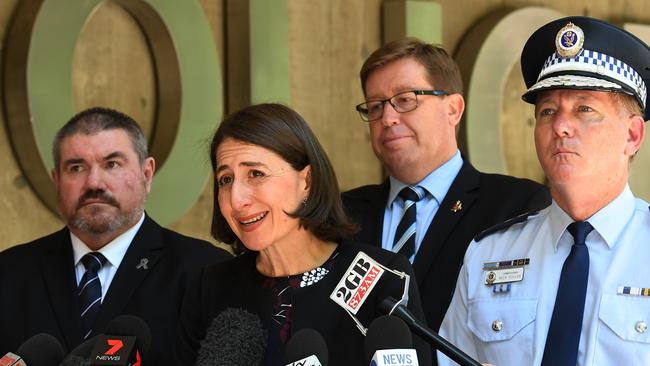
[497,325]
[641,326]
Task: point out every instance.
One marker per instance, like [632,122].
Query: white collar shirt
[114,252]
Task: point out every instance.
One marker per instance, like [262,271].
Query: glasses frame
[364,115]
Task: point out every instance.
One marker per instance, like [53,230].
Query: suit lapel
[61,283]
[463,189]
[146,247]
[377,207]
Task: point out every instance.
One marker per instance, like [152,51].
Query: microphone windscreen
[79,355]
[74,360]
[131,325]
[41,350]
[235,338]
[304,343]
[387,332]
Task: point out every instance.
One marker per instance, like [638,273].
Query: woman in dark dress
[277,203]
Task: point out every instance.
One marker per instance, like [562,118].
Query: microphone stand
[393,307]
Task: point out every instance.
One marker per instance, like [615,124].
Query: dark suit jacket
[237,284]
[38,288]
[486,199]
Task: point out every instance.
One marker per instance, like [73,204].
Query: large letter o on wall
[486,57]
[37,86]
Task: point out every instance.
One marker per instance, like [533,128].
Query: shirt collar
[437,183]
[114,251]
[608,222]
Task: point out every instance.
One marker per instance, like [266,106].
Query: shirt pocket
[503,325]
[623,335]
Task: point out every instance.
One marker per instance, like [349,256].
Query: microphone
[235,338]
[79,355]
[391,306]
[389,342]
[308,348]
[39,350]
[126,340]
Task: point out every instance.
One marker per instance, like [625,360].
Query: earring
[304,201]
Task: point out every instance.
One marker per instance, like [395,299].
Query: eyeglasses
[407,101]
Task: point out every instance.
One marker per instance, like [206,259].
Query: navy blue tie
[90,291]
[404,242]
[563,336]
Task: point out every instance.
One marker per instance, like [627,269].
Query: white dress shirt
[114,252]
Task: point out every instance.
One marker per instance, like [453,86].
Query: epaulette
[504,225]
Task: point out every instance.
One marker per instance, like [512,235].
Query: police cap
[589,54]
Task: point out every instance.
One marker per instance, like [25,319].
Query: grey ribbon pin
[143,264]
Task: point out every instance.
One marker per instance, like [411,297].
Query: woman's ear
[305,177]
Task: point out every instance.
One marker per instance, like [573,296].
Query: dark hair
[280,129]
[442,69]
[94,120]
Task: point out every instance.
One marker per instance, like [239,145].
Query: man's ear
[635,135]
[148,170]
[455,108]
[55,178]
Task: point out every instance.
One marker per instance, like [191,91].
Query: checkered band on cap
[595,63]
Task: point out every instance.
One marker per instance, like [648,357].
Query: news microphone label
[307,361]
[395,357]
[357,283]
[113,350]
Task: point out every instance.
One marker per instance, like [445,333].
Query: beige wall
[328,41]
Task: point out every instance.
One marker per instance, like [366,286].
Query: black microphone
[79,355]
[306,348]
[391,306]
[125,342]
[235,338]
[389,342]
[39,350]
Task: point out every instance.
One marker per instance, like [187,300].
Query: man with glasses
[434,201]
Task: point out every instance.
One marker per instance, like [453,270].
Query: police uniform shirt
[506,324]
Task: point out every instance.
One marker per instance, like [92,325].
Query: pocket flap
[627,316]
[500,319]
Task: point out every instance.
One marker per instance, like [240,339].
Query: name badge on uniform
[506,275]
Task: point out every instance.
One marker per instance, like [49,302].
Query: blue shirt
[507,325]
[436,185]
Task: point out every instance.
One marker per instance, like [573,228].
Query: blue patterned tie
[404,242]
[90,291]
[563,336]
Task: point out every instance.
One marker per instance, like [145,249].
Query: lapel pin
[457,206]
[143,264]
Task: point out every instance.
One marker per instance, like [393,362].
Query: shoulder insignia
[504,225]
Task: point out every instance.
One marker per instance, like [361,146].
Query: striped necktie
[90,291]
[404,242]
[563,336]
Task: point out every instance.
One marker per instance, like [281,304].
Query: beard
[99,220]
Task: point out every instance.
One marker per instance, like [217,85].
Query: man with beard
[111,258]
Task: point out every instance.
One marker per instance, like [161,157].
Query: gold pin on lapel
[457,206]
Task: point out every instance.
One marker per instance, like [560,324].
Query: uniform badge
[569,40]
[633,291]
[507,275]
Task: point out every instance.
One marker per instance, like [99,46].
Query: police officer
[569,284]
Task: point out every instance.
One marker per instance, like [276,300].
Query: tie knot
[93,261]
[410,194]
[579,230]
